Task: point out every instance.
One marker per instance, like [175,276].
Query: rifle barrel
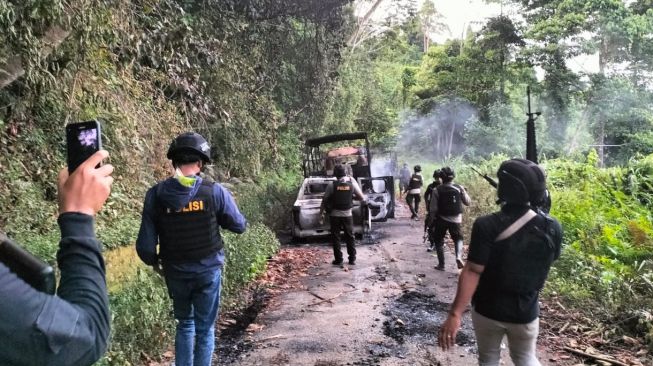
[492,182]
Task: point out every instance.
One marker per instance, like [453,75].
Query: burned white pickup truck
[321,155]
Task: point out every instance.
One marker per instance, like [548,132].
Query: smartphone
[26,266]
[83,139]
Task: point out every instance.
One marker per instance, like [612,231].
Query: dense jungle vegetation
[257,77]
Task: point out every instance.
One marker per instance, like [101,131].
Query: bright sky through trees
[460,15]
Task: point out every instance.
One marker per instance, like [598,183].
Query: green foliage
[640,179]
[247,256]
[607,263]
[374,80]
[261,201]
[498,133]
[141,321]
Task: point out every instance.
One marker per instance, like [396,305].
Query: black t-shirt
[488,300]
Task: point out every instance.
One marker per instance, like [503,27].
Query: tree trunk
[601,144]
[453,130]
[601,138]
[361,24]
[426,42]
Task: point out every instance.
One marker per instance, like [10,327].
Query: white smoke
[437,135]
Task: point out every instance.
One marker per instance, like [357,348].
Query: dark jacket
[70,328]
[489,299]
[429,192]
[175,196]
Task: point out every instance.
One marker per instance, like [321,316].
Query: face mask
[183,180]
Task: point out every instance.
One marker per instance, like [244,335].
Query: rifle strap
[515,226]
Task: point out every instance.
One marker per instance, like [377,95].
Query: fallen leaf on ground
[253,327]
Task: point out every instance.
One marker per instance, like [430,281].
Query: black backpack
[450,201]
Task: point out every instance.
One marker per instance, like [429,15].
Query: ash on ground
[233,341]
[418,316]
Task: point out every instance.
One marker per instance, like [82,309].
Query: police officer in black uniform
[404,177]
[414,191]
[445,210]
[427,200]
[510,254]
[338,202]
[437,180]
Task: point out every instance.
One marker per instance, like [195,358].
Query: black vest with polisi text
[191,233]
[416,181]
[343,194]
[520,263]
[450,202]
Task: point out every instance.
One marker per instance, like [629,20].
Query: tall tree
[430,21]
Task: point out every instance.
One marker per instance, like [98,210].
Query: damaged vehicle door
[380,192]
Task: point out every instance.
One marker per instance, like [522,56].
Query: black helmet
[447,174]
[436,173]
[190,142]
[339,171]
[417,168]
[521,181]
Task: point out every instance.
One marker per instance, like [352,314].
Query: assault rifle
[531,149]
[531,154]
[492,182]
[531,145]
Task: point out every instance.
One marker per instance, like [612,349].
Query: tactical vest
[191,233]
[450,201]
[415,182]
[520,263]
[343,194]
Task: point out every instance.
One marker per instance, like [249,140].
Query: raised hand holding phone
[87,188]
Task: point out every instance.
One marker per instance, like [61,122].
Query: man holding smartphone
[182,215]
[72,327]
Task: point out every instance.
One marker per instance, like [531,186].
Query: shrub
[608,236]
[247,256]
[141,321]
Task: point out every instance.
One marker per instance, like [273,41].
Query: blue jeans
[195,302]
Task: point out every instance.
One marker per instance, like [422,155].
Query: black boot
[439,250]
[459,254]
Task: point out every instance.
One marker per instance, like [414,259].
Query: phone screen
[83,139]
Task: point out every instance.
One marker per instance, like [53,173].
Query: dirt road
[385,310]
